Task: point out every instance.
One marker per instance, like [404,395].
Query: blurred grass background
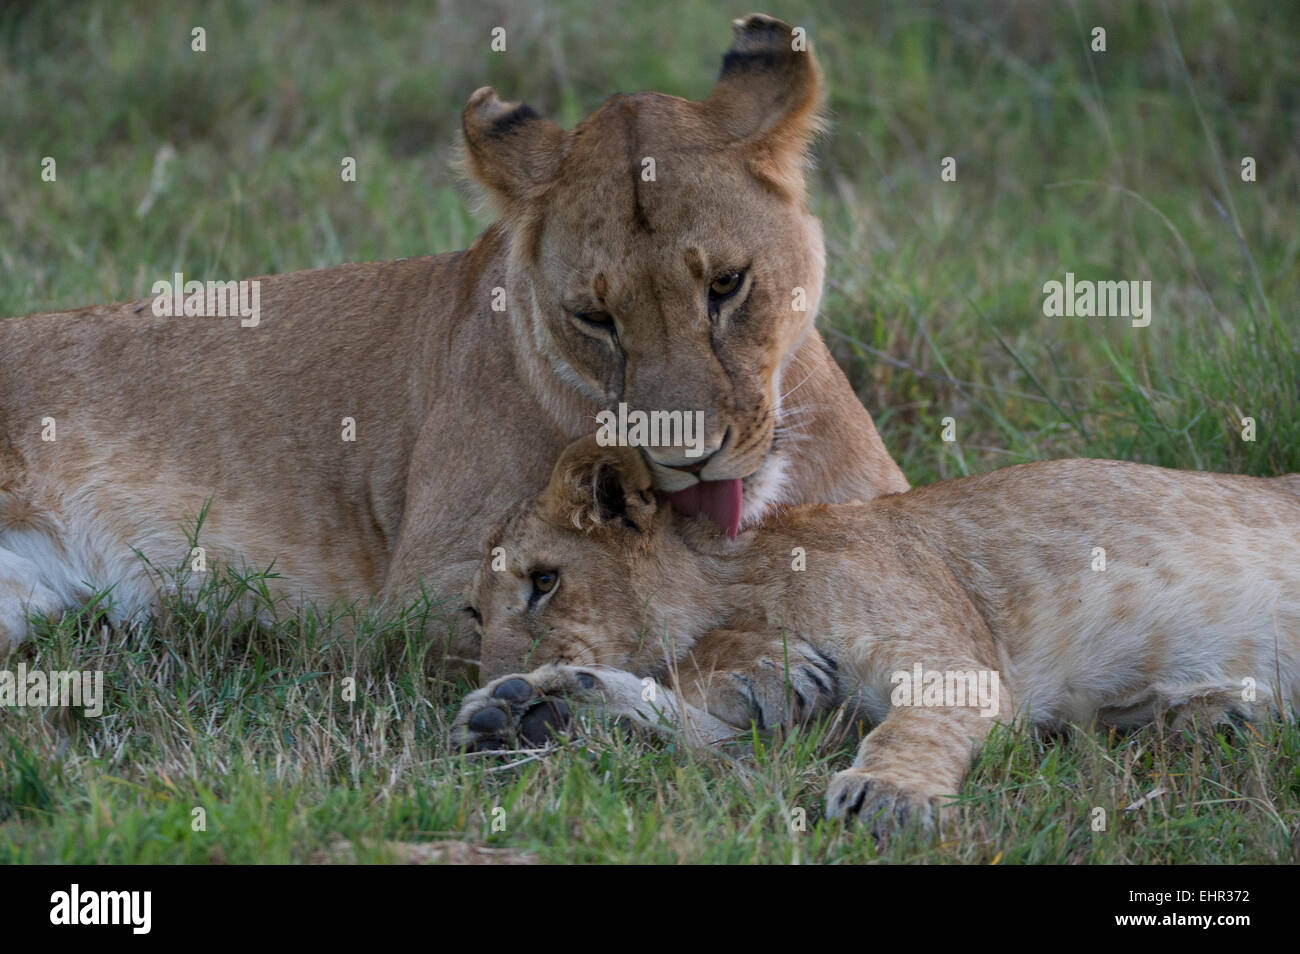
[1116,165]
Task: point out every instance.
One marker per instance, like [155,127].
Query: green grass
[1121,164]
[251,727]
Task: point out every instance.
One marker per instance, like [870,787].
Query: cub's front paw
[875,801]
[521,711]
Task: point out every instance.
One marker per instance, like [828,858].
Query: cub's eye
[474,614]
[597,319]
[544,581]
[725,285]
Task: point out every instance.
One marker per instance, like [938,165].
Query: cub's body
[1075,589]
[1096,588]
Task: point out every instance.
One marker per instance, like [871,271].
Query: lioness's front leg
[524,710]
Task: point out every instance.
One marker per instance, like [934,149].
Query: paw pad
[520,711]
[544,719]
[490,719]
[516,690]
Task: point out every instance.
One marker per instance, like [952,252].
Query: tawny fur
[1197,608]
[458,408]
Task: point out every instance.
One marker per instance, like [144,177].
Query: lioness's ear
[768,98]
[594,486]
[509,149]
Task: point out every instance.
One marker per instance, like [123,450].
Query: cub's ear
[509,149]
[768,99]
[594,486]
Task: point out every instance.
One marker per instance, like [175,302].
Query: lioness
[693,289]
[934,612]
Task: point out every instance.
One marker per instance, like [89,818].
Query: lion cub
[1057,592]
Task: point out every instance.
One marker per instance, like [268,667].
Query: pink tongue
[721,500]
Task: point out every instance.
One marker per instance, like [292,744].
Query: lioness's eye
[599,319]
[725,285]
[544,581]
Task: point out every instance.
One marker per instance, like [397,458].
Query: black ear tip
[504,124]
[761,44]
[487,115]
[760,25]
[738,61]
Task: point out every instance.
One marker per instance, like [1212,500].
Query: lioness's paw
[884,805]
[521,711]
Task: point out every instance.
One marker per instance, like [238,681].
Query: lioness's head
[596,569]
[662,255]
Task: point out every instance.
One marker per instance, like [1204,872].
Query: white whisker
[796,387]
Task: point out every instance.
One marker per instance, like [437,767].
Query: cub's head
[592,570]
[662,256]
